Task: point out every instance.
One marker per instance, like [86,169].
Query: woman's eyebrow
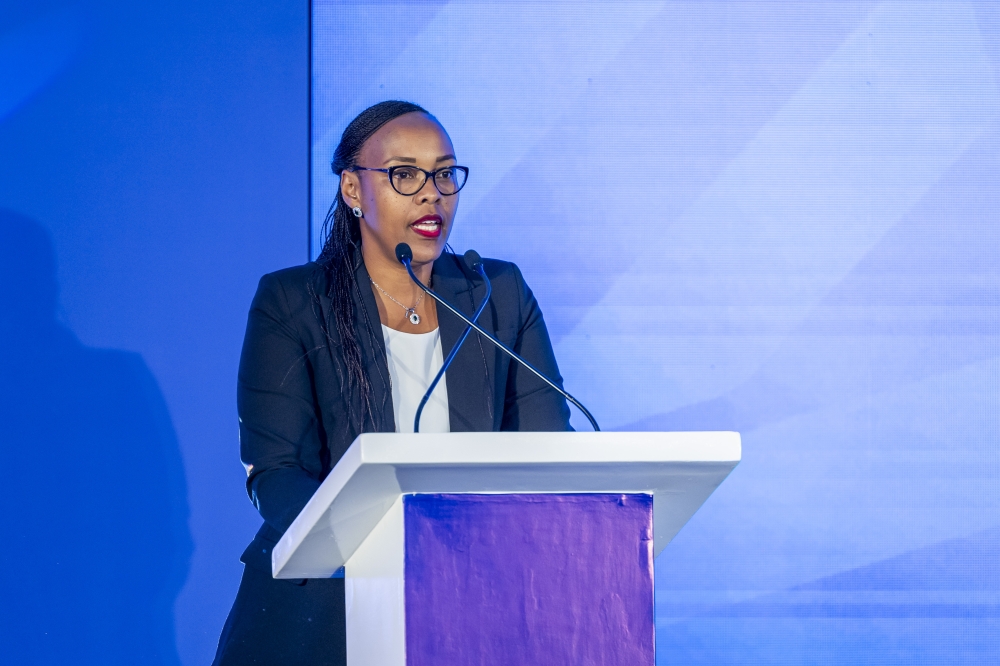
[411,160]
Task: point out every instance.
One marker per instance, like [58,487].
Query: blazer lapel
[472,403]
[369,333]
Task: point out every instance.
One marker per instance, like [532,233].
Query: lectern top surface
[680,470]
[547,447]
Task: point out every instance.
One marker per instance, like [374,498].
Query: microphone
[405,256]
[475,263]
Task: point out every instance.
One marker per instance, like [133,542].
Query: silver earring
[357,211]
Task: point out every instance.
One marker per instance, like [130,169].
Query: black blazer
[291,394]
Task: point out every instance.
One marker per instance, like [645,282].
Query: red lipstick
[428,226]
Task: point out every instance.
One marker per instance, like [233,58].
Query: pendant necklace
[411,313]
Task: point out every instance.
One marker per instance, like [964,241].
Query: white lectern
[502,548]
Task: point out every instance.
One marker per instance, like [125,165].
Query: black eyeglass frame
[427,174]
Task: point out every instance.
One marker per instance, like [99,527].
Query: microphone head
[403,253]
[473,260]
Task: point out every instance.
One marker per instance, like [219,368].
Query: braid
[340,255]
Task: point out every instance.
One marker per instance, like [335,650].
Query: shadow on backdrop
[92,489]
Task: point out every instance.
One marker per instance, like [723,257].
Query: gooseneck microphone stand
[405,256]
[475,262]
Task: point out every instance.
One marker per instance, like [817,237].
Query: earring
[357,211]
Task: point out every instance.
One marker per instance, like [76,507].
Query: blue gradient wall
[158,152]
[773,217]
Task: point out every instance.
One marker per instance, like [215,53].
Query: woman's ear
[350,188]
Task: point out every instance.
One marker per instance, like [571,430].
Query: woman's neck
[397,297]
[392,276]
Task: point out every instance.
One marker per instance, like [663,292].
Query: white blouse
[414,359]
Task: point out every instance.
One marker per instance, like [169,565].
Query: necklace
[411,313]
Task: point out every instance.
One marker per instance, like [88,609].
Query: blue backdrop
[153,165]
[774,217]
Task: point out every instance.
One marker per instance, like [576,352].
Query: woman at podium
[349,344]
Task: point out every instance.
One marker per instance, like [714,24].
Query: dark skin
[389,217]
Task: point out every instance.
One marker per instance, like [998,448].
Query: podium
[502,547]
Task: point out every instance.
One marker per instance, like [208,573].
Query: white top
[414,359]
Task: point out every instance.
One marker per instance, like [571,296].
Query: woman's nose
[428,193]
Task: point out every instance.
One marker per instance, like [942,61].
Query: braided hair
[340,256]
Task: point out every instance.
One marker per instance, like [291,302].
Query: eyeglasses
[408,180]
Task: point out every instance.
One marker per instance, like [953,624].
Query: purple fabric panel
[529,579]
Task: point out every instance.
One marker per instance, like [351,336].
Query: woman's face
[422,220]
